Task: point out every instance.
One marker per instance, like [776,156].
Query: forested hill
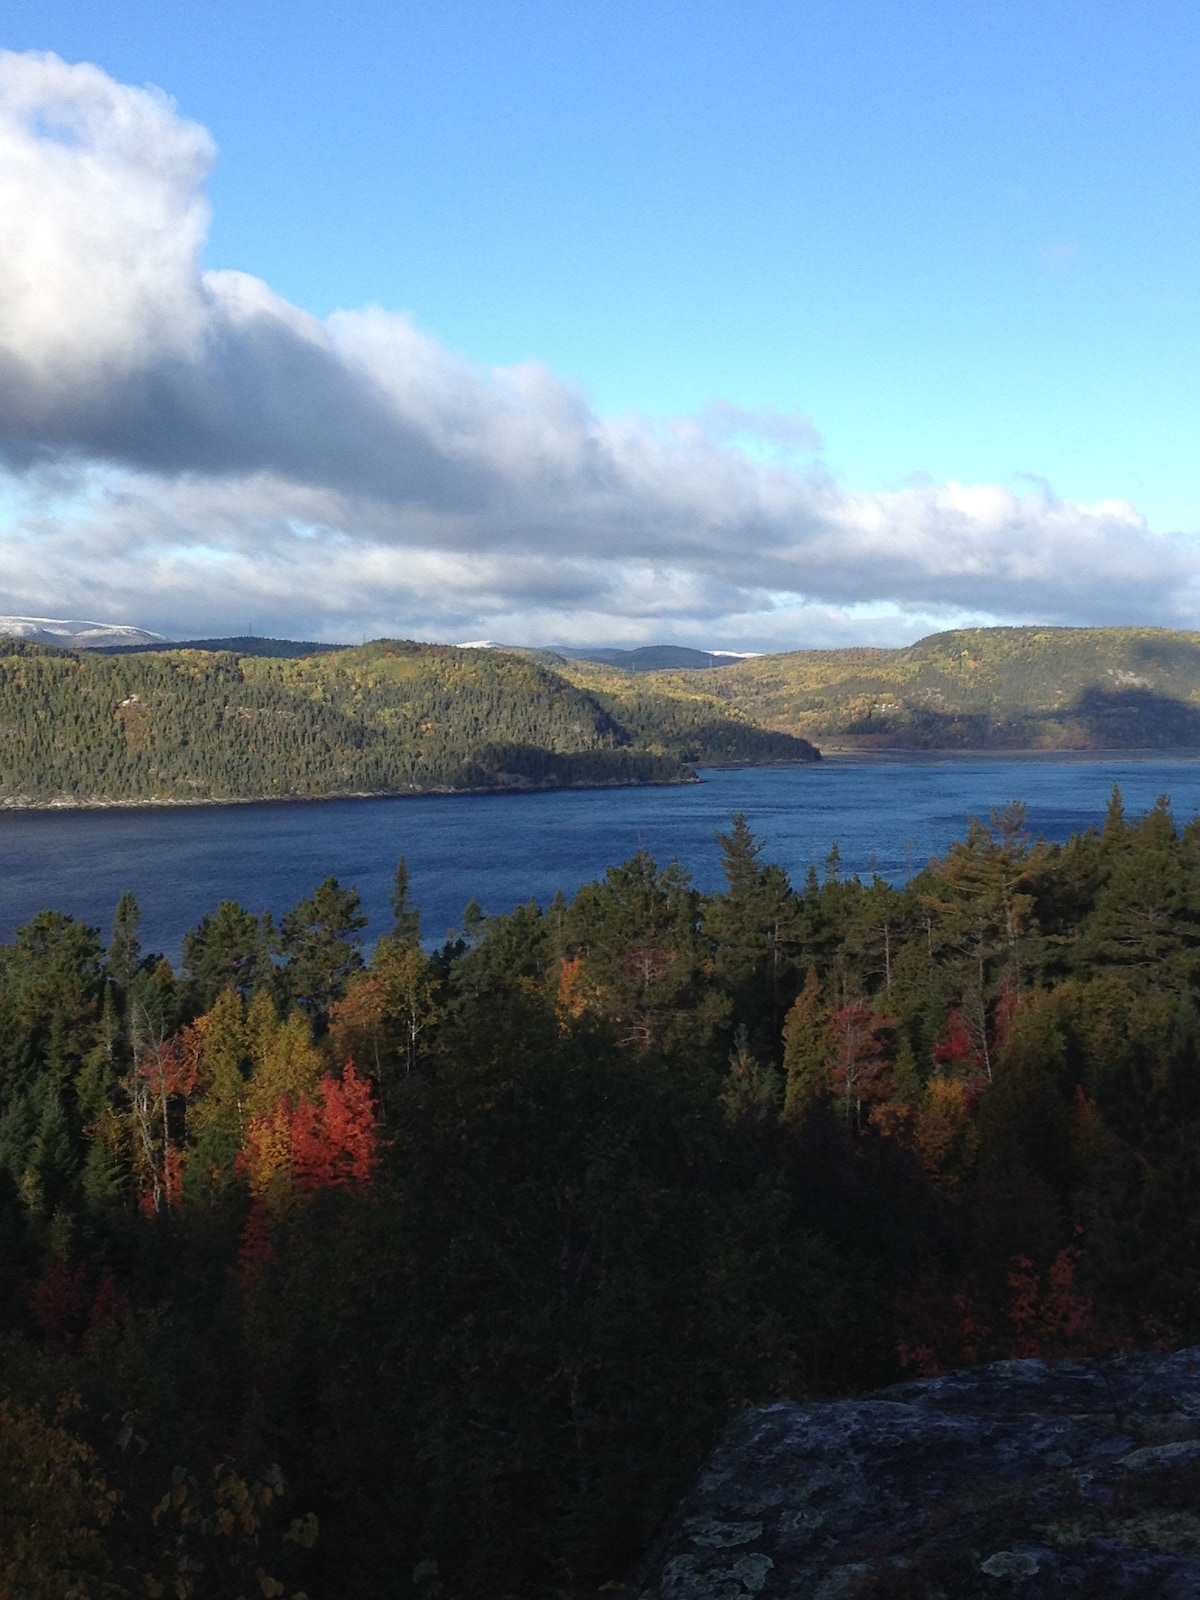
[246,644]
[977,689]
[387,718]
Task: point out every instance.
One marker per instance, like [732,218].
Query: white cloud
[187,449]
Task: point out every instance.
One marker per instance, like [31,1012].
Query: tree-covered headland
[339,1272]
[277,719]
[387,718]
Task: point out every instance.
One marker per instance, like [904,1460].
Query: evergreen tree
[979,902]
[1114,821]
[321,942]
[225,951]
[406,919]
[124,949]
[755,933]
[638,935]
[1147,915]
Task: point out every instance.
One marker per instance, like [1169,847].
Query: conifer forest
[392,717]
[336,1271]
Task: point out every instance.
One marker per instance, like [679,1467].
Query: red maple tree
[862,1055]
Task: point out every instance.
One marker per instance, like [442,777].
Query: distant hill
[683,714]
[390,717]
[967,689]
[654,658]
[976,689]
[77,635]
[243,645]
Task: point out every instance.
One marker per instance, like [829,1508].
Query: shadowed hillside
[977,689]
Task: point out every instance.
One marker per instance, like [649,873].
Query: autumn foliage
[650,1155]
[861,1056]
[323,1142]
[68,1306]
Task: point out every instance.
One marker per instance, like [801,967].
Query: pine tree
[754,927]
[637,931]
[406,919]
[224,952]
[979,899]
[124,949]
[321,939]
[1147,915]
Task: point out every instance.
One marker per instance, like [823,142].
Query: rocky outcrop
[1017,1479]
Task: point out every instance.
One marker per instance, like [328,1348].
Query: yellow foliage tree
[223,1053]
[285,1062]
[808,1048]
[945,1129]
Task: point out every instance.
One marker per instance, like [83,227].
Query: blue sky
[949,245]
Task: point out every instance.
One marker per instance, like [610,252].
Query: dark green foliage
[230,949]
[638,934]
[755,930]
[124,949]
[615,1195]
[534,1339]
[320,940]
[240,645]
[388,718]
[406,919]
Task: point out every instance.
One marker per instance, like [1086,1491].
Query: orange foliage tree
[326,1142]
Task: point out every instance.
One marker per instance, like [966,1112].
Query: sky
[752,326]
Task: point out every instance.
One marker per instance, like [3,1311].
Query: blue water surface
[887,816]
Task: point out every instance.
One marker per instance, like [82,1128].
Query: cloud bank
[184,449]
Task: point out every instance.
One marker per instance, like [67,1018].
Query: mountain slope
[976,689]
[682,713]
[386,718]
[76,635]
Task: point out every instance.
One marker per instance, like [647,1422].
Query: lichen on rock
[1022,1478]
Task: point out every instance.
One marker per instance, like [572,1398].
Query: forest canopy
[329,1270]
[974,689]
[388,718]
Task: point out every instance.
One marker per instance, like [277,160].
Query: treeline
[976,689]
[384,719]
[437,1273]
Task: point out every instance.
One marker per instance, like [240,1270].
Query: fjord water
[887,816]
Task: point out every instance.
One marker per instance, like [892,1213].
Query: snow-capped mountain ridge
[75,635]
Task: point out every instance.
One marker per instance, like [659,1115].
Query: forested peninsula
[972,689]
[190,725]
[273,720]
[436,1274]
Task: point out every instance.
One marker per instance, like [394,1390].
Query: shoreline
[830,755]
[175,802]
[836,753]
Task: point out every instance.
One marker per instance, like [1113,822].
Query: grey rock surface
[1078,1478]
